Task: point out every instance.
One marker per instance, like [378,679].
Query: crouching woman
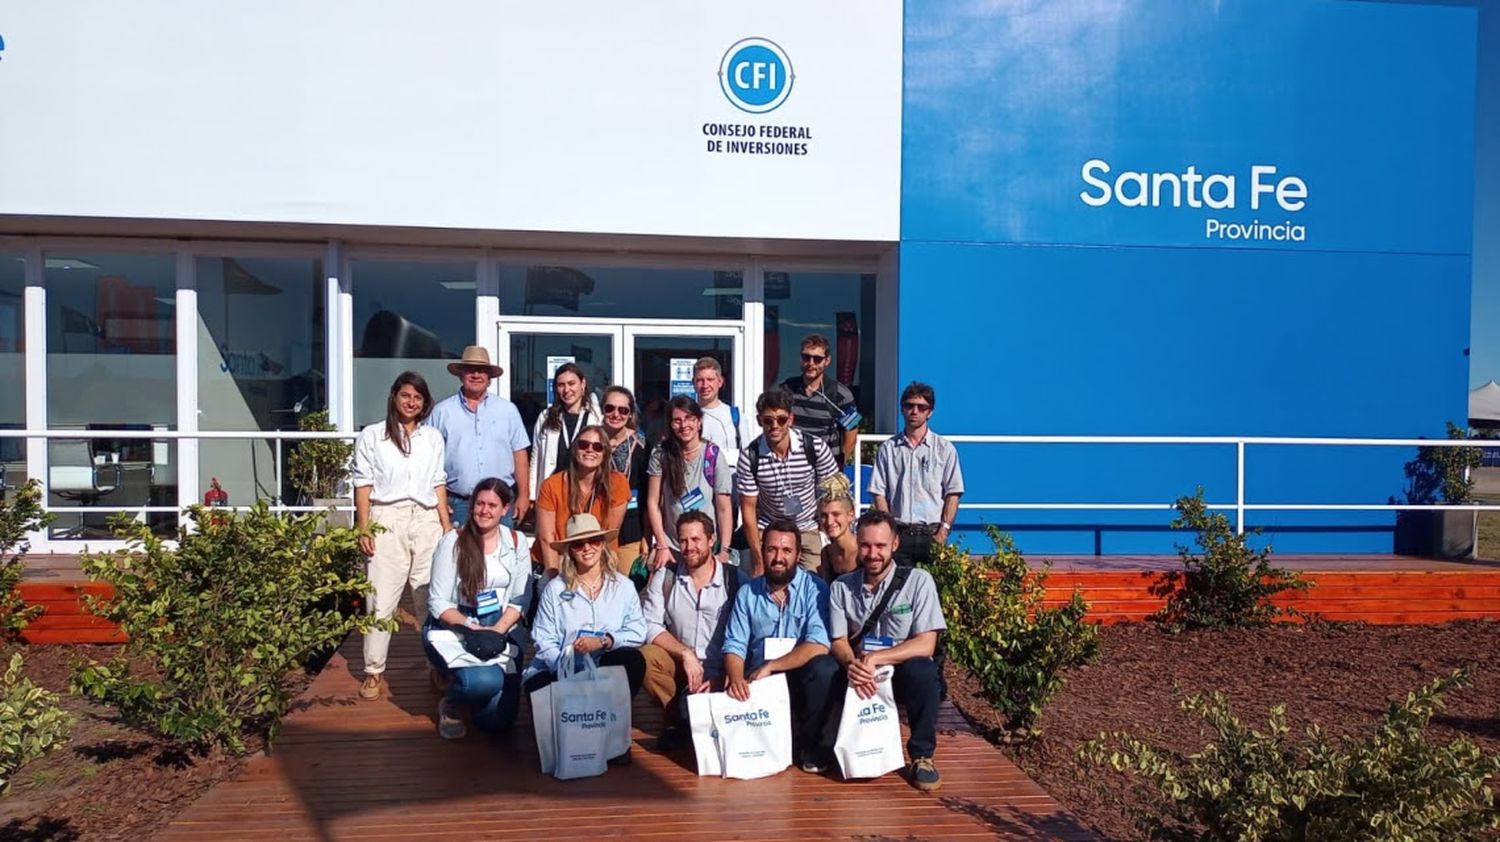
[591,607]
[481,588]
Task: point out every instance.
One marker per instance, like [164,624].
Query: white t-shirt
[718,427]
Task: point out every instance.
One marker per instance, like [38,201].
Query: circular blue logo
[756,75]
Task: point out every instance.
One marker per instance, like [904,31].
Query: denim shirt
[756,617]
[562,614]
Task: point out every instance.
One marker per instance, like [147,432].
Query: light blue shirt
[479,444]
[562,614]
[507,570]
[756,617]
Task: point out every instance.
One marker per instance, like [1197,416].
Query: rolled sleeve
[442,589]
[439,473]
[838,604]
[364,459]
[654,606]
[926,608]
[737,632]
[953,478]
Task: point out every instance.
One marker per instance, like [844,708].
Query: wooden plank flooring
[345,769]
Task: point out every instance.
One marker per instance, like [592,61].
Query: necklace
[592,589]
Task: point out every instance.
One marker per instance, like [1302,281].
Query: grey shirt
[912,610]
[693,477]
[914,480]
[694,616]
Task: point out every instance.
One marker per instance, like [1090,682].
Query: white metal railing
[1240,443]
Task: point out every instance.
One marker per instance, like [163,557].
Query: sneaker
[450,721]
[814,763]
[924,774]
[673,738]
[372,687]
[439,679]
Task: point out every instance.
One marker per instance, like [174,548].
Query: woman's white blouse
[394,476]
[507,570]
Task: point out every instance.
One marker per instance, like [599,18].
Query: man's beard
[779,579]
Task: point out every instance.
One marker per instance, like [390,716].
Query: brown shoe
[372,687]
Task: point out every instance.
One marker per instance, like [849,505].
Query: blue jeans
[492,696]
[461,512]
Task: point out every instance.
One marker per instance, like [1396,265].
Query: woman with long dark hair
[627,456]
[481,583]
[400,484]
[589,485]
[687,473]
[573,408]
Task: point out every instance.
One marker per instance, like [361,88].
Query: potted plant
[1440,474]
[320,468]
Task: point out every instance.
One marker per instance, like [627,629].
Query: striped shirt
[785,488]
[819,413]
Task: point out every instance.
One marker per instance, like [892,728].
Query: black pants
[811,689]
[915,685]
[628,657]
[914,544]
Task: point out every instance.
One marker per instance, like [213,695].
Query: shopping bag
[705,735]
[755,736]
[580,719]
[617,730]
[869,740]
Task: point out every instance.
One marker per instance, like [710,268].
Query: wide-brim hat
[580,528]
[475,356]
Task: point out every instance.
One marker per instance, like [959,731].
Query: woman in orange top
[589,484]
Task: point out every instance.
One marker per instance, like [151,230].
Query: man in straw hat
[484,436]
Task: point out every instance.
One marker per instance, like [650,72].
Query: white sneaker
[450,721]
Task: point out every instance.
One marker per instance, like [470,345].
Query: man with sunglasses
[483,437]
[777,478]
[824,406]
[917,479]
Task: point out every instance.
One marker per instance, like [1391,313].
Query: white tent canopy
[1484,402]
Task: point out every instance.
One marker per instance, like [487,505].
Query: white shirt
[394,476]
[718,427]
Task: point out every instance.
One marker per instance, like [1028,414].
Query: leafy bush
[19,515]
[1229,584]
[1443,473]
[31,723]
[999,631]
[317,467]
[1253,785]
[221,620]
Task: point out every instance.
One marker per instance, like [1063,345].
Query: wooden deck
[1395,590]
[345,769]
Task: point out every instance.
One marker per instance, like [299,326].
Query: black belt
[919,528]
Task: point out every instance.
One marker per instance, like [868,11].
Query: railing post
[858,494]
[1239,493]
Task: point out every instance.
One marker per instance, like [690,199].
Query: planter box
[1436,534]
[336,517]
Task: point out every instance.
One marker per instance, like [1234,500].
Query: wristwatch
[609,641]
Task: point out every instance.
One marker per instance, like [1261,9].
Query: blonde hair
[835,489]
[607,560]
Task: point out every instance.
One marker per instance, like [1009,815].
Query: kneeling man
[687,606]
[883,615]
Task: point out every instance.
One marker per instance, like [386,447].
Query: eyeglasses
[916,406]
[775,420]
[615,409]
[588,445]
[814,358]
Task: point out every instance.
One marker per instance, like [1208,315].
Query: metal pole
[1239,494]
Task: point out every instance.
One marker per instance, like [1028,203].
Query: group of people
[736,541]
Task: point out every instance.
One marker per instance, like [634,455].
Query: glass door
[661,362]
[533,351]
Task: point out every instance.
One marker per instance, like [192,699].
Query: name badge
[874,643]
[591,633]
[487,602]
[635,499]
[693,501]
[777,646]
[792,505]
[850,419]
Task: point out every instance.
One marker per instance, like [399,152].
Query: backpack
[710,462]
[734,416]
[753,453]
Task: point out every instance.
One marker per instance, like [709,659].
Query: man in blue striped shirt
[777,478]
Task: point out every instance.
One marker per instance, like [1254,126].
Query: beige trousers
[403,557]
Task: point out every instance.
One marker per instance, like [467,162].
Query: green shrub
[317,467]
[1228,583]
[999,631]
[19,515]
[1444,473]
[31,723]
[1251,785]
[221,620]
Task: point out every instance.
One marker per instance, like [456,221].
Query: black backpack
[807,450]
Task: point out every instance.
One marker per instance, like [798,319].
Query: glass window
[621,292]
[111,364]
[261,362]
[12,369]
[408,316]
[840,307]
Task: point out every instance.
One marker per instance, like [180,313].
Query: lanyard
[568,435]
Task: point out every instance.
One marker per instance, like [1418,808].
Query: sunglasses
[916,406]
[775,420]
[588,446]
[596,541]
[615,409]
[814,358]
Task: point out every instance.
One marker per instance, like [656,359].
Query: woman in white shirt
[400,484]
[572,409]
[481,582]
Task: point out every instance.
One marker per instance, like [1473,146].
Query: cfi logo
[756,75]
[2,46]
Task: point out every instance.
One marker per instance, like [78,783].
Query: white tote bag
[705,735]
[755,736]
[869,740]
[611,692]
[580,720]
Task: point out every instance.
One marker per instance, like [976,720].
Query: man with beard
[785,610]
[687,607]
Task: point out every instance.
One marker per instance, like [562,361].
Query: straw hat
[474,355]
[581,527]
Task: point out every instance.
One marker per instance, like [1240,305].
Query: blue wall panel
[1032,311]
